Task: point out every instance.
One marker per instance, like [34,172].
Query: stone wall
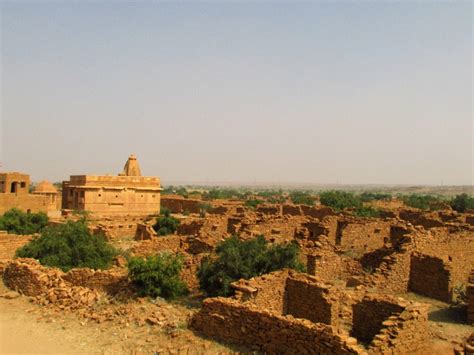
[9,243]
[430,276]
[369,314]
[306,298]
[29,277]
[145,232]
[180,204]
[266,291]
[27,202]
[406,333]
[230,321]
[470,298]
[108,281]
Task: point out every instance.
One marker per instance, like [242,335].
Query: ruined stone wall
[470,298]
[369,314]
[420,218]
[312,300]
[26,202]
[109,281]
[145,232]
[181,205]
[393,273]
[170,243]
[430,276]
[9,243]
[270,210]
[406,333]
[29,277]
[292,210]
[365,235]
[328,265]
[229,320]
[266,291]
[317,212]
[190,227]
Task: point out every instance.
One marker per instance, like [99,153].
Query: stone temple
[129,193]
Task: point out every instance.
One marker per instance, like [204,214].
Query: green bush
[158,275]
[236,259]
[253,203]
[367,212]
[462,202]
[166,225]
[422,202]
[302,198]
[374,196]
[165,211]
[19,222]
[69,245]
[340,200]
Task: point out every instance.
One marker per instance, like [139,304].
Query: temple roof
[132,168]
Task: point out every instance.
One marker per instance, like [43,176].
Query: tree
[166,225]
[302,198]
[422,202]
[462,202]
[236,259]
[158,275]
[18,222]
[340,200]
[69,245]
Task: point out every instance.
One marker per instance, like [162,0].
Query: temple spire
[131,167]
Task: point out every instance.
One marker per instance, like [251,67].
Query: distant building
[129,193]
[14,193]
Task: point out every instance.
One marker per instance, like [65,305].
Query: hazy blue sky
[354,92]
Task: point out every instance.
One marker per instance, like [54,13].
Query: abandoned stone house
[15,193]
[129,193]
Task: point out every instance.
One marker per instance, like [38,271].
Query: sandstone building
[14,193]
[129,193]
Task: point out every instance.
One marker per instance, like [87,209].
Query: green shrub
[367,212]
[302,198]
[236,259]
[165,211]
[253,203]
[462,202]
[19,222]
[69,245]
[340,200]
[158,275]
[422,202]
[166,225]
[374,196]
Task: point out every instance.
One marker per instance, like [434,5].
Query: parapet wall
[229,320]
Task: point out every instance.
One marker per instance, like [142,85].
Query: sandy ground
[26,328]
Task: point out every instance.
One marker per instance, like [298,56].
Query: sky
[242,92]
